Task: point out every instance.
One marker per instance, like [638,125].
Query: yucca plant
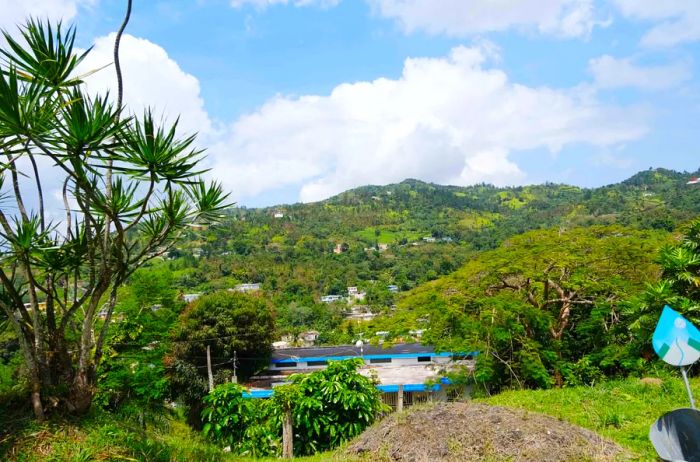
[129,188]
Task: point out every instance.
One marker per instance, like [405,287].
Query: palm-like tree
[129,188]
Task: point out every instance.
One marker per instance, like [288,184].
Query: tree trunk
[37,406]
[287,435]
[82,391]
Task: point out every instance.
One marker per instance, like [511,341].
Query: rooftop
[346,351]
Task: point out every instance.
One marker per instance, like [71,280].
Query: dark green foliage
[247,425]
[133,369]
[229,322]
[333,405]
[328,407]
[129,188]
[678,287]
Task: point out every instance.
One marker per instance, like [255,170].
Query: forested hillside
[290,249]
[403,234]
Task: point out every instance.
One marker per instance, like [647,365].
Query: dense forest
[403,235]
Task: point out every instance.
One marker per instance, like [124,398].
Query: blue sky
[301,99]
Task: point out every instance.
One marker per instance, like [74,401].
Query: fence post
[287,435]
[399,399]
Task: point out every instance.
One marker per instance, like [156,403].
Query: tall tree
[129,187]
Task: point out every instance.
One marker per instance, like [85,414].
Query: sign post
[676,434]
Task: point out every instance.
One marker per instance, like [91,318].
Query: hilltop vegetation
[289,249]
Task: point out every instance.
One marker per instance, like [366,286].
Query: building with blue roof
[407,366]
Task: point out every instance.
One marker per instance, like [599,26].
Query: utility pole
[234,379]
[211,375]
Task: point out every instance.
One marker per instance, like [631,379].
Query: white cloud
[680,20]
[151,79]
[262,4]
[448,120]
[610,72]
[458,18]
[15,12]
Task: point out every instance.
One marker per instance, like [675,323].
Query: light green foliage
[328,407]
[293,257]
[537,306]
[246,425]
[334,405]
[622,410]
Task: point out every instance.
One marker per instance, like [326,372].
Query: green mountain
[404,234]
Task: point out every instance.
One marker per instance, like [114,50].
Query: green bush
[328,407]
[248,426]
[334,405]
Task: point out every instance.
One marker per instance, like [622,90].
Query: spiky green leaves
[148,149]
[48,57]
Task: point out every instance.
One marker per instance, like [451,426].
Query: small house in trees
[331,298]
[309,338]
[247,287]
[189,298]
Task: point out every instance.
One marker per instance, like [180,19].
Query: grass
[387,236]
[104,436]
[621,410]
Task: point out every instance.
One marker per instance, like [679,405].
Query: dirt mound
[472,431]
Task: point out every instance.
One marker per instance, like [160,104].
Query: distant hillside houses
[354,293]
[246,287]
[360,313]
[189,298]
[331,298]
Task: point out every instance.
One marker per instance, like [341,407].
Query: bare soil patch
[474,431]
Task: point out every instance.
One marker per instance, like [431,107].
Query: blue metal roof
[301,359]
[408,387]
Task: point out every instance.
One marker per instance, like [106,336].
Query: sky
[298,100]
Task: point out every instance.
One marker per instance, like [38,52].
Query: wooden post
[211,375]
[399,399]
[287,435]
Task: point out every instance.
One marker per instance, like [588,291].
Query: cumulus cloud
[680,20]
[610,72]
[450,120]
[16,12]
[458,18]
[151,79]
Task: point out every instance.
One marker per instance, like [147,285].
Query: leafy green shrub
[227,413]
[335,404]
[248,426]
[582,372]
